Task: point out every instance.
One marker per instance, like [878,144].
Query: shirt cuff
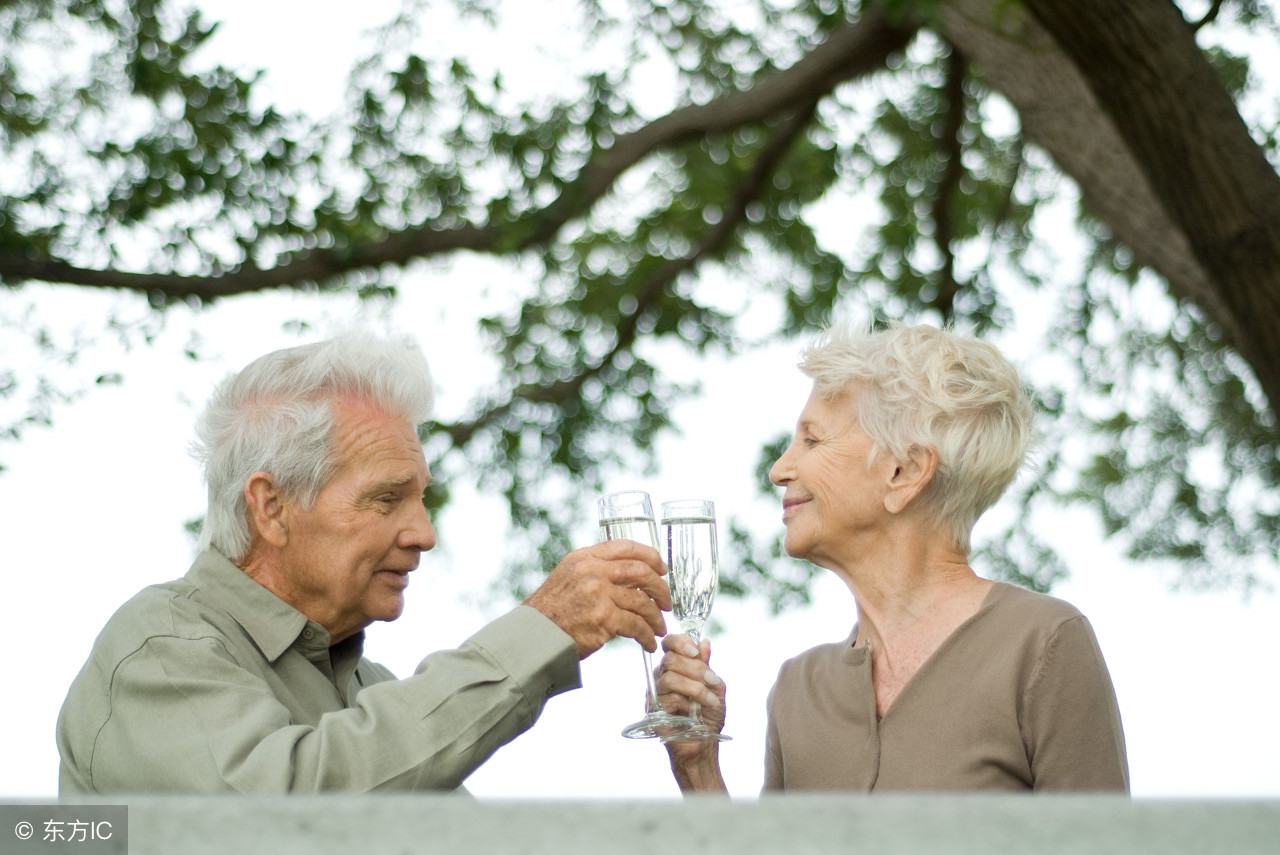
[533,650]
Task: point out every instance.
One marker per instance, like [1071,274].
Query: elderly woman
[948,681]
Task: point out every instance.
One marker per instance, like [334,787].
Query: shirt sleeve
[185,716]
[1071,724]
[773,777]
[773,780]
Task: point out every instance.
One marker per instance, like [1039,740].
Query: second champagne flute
[629,515]
[689,527]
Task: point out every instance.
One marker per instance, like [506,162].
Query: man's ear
[910,477]
[266,509]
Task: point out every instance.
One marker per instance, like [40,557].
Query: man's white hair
[276,416]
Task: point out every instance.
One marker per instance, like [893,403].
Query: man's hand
[610,589]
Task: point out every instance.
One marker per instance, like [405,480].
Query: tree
[147,171]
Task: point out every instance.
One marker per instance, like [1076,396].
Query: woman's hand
[685,676]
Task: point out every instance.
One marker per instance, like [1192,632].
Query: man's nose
[421,535]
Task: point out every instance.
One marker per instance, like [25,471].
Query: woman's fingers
[684,675]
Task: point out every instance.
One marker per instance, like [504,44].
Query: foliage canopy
[138,165]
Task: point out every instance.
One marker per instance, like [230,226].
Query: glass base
[698,733]
[659,725]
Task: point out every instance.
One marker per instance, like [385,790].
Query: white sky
[92,510]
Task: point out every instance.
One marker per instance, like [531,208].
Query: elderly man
[246,674]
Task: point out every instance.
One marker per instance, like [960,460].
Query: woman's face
[834,498]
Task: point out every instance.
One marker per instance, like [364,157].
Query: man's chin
[389,609]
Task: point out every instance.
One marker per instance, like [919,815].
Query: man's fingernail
[690,651]
[712,700]
[711,678]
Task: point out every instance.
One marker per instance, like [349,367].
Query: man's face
[347,560]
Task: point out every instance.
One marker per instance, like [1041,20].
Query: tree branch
[949,185]
[855,49]
[713,241]
[1209,17]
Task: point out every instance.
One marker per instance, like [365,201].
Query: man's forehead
[383,447]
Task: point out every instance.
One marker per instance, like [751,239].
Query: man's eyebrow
[395,483]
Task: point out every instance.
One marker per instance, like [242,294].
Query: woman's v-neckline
[985,606]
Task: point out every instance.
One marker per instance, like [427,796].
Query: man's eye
[810,441]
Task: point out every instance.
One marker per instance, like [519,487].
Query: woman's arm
[1071,721]
[686,676]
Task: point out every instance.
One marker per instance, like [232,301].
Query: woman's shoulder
[823,658]
[1010,605]
[1006,595]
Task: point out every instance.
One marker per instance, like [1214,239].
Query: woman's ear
[910,477]
[266,504]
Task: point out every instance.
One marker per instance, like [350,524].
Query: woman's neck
[909,602]
[914,589]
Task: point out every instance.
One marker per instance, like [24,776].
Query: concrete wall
[790,825]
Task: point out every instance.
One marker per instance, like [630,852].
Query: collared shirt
[211,683]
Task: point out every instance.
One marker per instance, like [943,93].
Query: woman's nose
[780,471]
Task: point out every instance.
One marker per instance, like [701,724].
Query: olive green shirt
[1017,698]
[211,683]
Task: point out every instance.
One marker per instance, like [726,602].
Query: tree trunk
[1123,99]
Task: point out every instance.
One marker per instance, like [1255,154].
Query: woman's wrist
[699,773]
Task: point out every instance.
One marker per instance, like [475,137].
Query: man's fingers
[638,603]
[612,588]
[631,625]
[641,577]
[657,591]
[623,549]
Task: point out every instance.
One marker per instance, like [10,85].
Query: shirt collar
[273,624]
[856,656]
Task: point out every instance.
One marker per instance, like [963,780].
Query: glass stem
[695,708]
[651,689]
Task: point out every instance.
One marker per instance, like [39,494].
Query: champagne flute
[689,527]
[629,515]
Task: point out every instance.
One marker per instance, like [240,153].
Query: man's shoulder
[165,609]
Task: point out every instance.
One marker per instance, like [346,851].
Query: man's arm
[185,716]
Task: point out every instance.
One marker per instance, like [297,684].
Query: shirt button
[307,633]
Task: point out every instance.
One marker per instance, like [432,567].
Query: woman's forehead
[829,410]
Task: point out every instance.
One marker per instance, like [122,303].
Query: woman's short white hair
[276,416]
[923,387]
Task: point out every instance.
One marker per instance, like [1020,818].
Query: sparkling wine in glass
[629,515]
[689,529]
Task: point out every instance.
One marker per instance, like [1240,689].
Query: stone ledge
[790,824]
